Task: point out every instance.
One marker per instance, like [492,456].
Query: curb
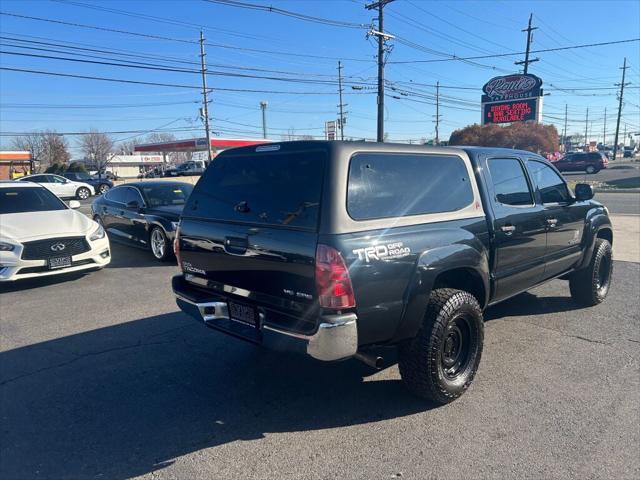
[616,190]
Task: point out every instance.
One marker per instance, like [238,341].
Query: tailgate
[266,265]
[251,226]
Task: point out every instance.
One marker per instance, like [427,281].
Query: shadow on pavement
[125,256]
[530,304]
[126,400]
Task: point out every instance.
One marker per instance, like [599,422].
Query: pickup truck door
[519,230]
[564,218]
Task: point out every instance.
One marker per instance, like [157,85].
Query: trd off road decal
[382,252]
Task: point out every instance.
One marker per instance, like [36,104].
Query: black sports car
[143,214]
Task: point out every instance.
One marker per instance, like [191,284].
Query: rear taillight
[332,279]
[176,247]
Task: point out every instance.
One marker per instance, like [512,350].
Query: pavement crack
[565,334]
[81,357]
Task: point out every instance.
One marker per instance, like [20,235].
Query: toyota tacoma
[331,248]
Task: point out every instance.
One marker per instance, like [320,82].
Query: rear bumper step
[336,337]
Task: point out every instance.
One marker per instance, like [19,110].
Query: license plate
[59,262]
[243,313]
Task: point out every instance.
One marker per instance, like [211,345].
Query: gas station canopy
[196,145]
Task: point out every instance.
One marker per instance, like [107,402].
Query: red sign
[510,111]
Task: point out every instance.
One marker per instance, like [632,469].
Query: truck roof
[346,146]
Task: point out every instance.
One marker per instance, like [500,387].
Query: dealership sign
[512,98]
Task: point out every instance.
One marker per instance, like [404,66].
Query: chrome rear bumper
[336,337]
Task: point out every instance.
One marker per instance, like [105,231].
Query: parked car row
[70,184]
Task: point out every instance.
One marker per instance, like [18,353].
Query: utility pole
[622,85]
[624,136]
[382,37]
[205,106]
[263,107]
[437,115]
[564,132]
[341,119]
[526,60]
[604,130]
[586,131]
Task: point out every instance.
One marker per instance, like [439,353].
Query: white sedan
[40,235]
[62,187]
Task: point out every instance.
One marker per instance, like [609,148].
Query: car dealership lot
[101,377]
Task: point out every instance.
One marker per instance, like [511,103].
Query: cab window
[510,182]
[551,186]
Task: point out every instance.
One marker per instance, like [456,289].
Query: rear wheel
[440,362]
[83,193]
[103,188]
[159,243]
[590,285]
[591,169]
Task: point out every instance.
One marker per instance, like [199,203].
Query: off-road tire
[421,358]
[590,285]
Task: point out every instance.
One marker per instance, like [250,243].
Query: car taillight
[176,247]
[332,279]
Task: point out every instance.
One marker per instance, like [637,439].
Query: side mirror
[74,204]
[133,204]
[584,191]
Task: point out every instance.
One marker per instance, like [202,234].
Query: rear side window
[552,187]
[509,182]
[117,195]
[389,185]
[281,189]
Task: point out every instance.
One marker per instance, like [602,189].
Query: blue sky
[311,50]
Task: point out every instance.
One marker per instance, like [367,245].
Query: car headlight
[175,225]
[97,234]
[6,247]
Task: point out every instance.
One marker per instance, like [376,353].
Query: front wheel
[590,285]
[103,188]
[159,244]
[440,362]
[83,193]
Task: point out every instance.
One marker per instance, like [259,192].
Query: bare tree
[98,149]
[46,148]
[161,137]
[127,148]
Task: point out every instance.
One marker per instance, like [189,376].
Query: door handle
[508,229]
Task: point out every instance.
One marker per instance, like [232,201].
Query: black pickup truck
[330,248]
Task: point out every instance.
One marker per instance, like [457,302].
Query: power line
[498,55]
[288,13]
[120,80]
[170,39]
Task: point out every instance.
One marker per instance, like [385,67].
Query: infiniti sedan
[40,235]
[143,214]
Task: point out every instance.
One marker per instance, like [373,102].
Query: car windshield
[159,195]
[22,200]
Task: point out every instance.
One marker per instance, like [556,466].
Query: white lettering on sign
[382,252]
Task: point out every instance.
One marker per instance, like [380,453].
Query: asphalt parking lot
[101,377]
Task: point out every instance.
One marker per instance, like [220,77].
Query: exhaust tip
[373,361]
